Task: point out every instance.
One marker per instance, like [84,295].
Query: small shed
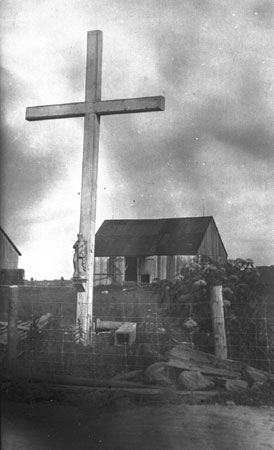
[142,250]
[9,253]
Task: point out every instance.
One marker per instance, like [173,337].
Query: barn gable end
[141,250]
[212,244]
[9,254]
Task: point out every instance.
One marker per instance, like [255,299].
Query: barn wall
[163,267]
[161,273]
[101,274]
[8,255]
[212,245]
[182,261]
[117,269]
[109,270]
[148,266]
[170,267]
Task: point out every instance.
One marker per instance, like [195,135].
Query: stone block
[159,373]
[193,380]
[236,385]
[126,334]
[256,375]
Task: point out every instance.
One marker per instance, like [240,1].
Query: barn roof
[177,236]
[10,241]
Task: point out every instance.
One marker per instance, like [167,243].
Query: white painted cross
[91,109]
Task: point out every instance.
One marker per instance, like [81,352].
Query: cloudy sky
[211,150]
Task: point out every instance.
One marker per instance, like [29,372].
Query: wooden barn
[142,250]
[9,254]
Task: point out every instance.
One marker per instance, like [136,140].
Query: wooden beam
[66,110]
[130,105]
[90,175]
[218,321]
[102,108]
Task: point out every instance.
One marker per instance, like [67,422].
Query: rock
[256,376]
[257,386]
[133,375]
[159,373]
[236,385]
[230,403]
[194,381]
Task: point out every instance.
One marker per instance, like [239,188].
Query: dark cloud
[244,120]
[176,53]
[26,176]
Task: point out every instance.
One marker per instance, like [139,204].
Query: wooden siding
[8,254]
[101,274]
[109,270]
[112,270]
[161,272]
[212,245]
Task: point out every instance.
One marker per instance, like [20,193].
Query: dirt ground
[58,425]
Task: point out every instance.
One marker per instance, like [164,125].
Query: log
[134,390]
[80,381]
[150,391]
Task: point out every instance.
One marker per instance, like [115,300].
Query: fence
[38,334]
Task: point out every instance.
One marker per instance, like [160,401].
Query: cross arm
[130,105]
[102,108]
[57,111]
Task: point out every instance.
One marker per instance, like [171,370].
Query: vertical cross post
[89,178]
[91,109]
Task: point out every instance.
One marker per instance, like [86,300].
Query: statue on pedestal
[79,257]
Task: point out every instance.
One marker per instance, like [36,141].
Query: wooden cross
[92,109]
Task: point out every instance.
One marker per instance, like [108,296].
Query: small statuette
[79,257]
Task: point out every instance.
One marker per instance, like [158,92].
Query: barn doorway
[131,268]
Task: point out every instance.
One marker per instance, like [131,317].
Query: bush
[185,303]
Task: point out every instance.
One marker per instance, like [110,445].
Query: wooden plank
[103,108]
[66,110]
[148,391]
[89,177]
[139,391]
[130,105]
[186,358]
[187,365]
[82,381]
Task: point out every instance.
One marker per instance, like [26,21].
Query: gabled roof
[10,241]
[178,236]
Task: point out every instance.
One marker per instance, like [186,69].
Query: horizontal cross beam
[102,108]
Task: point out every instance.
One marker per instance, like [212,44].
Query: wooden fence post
[12,328]
[218,321]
